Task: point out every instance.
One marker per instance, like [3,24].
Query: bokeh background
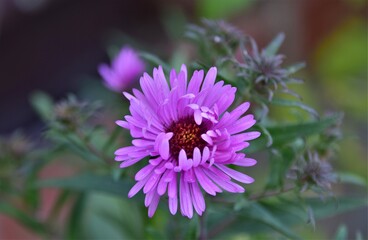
[55,46]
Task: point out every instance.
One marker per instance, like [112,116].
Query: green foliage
[221,9]
[88,182]
[22,217]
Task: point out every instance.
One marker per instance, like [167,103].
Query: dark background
[48,44]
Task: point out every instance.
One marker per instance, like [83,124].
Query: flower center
[187,136]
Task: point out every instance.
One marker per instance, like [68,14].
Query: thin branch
[91,148]
[271,193]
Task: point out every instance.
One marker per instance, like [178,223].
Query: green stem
[202,228]
[111,139]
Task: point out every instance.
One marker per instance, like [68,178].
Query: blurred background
[55,45]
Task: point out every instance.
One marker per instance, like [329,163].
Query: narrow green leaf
[288,133]
[74,223]
[283,134]
[60,201]
[295,68]
[311,218]
[259,213]
[346,177]
[289,103]
[358,236]
[43,104]
[155,61]
[280,163]
[88,182]
[333,207]
[274,45]
[22,217]
[342,233]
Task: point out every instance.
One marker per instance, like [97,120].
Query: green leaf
[88,182]
[283,134]
[295,68]
[111,217]
[280,163]
[346,177]
[43,104]
[274,45]
[156,61]
[216,9]
[257,212]
[72,142]
[22,217]
[74,223]
[289,103]
[59,203]
[333,207]
[342,233]
[289,133]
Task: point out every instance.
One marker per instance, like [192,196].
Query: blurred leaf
[111,217]
[295,68]
[220,8]
[347,177]
[43,105]
[280,162]
[155,61]
[274,45]
[358,236]
[288,133]
[88,182]
[258,212]
[289,103]
[22,218]
[74,223]
[59,203]
[335,206]
[342,233]
[72,142]
[311,218]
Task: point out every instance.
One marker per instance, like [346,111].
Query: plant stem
[221,226]
[91,148]
[202,228]
[271,193]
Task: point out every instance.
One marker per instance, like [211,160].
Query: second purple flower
[124,71]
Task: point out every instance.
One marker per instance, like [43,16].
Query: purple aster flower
[189,137]
[125,69]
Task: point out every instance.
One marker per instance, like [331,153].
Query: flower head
[313,172]
[265,71]
[125,69]
[189,137]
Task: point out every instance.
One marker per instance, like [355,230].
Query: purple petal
[173,188]
[210,78]
[245,162]
[197,199]
[205,182]
[207,138]
[198,117]
[241,177]
[153,206]
[196,157]
[144,172]
[173,205]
